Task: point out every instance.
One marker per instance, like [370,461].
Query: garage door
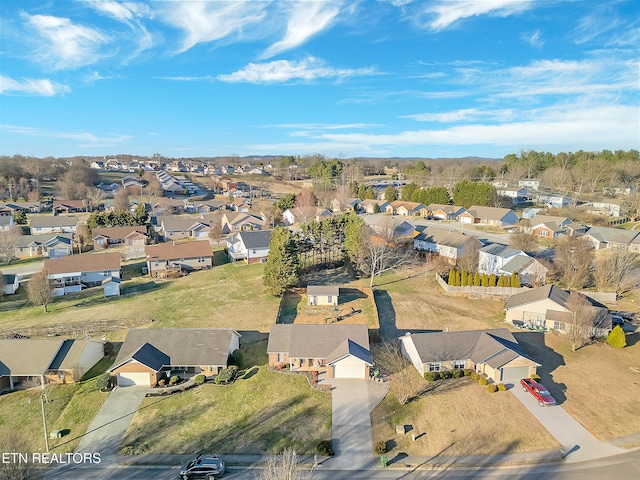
[514,374]
[466,219]
[128,379]
[349,370]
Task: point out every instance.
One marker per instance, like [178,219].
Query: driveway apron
[579,444]
[111,422]
[352,403]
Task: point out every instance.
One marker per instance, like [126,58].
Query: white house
[249,246]
[448,244]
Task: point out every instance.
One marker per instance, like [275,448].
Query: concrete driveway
[111,422]
[577,441]
[352,403]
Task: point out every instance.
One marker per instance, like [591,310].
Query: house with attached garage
[177,227]
[250,246]
[516,195]
[342,351]
[70,206]
[444,212]
[448,244]
[240,222]
[166,258]
[74,273]
[371,205]
[149,355]
[50,360]
[494,353]
[549,307]
[611,238]
[52,224]
[497,217]
[53,245]
[405,209]
[135,236]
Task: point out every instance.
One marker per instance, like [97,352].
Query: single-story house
[530,183]
[209,206]
[53,245]
[11,283]
[74,273]
[548,230]
[498,217]
[404,209]
[50,360]
[70,206]
[240,222]
[27,207]
[167,257]
[611,208]
[494,353]
[323,294]
[6,223]
[177,227]
[516,195]
[390,227]
[347,205]
[149,355]
[553,200]
[610,238]
[250,246]
[448,244]
[371,205]
[342,351]
[52,224]
[135,236]
[445,212]
[305,214]
[549,307]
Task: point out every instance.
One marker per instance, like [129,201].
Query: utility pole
[44,423]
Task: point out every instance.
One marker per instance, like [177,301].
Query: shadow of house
[386,315]
[289,307]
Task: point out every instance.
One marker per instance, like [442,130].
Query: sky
[344,79]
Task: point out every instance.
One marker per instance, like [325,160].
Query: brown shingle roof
[27,356]
[83,263]
[53,221]
[171,251]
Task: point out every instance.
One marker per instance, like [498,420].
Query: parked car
[209,467]
[539,391]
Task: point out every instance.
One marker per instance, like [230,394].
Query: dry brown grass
[459,417]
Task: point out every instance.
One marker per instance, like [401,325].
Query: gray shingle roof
[26,240]
[53,221]
[256,238]
[499,250]
[23,357]
[443,237]
[323,290]
[349,347]
[614,235]
[517,264]
[552,292]
[314,341]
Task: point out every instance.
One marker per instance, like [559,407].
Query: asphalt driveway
[352,403]
[577,441]
[111,422]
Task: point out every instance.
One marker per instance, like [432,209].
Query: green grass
[259,415]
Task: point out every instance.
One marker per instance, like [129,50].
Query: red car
[539,391]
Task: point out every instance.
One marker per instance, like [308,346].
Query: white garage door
[128,379]
[346,370]
[514,374]
[465,219]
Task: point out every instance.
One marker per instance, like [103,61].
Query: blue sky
[344,79]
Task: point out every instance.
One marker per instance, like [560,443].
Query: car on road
[209,467]
[539,391]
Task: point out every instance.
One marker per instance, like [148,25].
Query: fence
[602,297]
[500,292]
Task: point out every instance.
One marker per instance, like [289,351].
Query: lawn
[262,414]
[459,417]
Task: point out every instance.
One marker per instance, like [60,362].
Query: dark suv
[209,467]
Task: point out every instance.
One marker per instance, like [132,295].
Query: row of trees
[462,278]
[414,193]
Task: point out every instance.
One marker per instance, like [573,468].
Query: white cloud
[29,86]
[205,22]
[89,138]
[281,71]
[305,20]
[65,45]
[533,38]
[448,12]
[205,78]
[463,115]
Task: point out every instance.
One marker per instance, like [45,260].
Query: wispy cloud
[96,76]
[306,19]
[204,22]
[533,38]
[606,27]
[463,115]
[281,71]
[205,78]
[89,138]
[64,44]
[448,12]
[29,86]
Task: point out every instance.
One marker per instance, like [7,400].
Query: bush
[103,382]
[174,379]
[492,388]
[475,376]
[162,382]
[226,375]
[108,349]
[482,381]
[535,378]
[617,338]
[431,376]
[468,372]
[456,373]
[502,387]
[137,449]
[445,374]
[380,448]
[324,448]
[235,358]
[199,379]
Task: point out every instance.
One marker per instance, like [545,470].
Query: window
[459,364]
[434,367]
[543,233]
[281,357]
[330,299]
[559,325]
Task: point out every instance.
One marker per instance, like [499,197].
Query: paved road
[578,442]
[111,422]
[22,270]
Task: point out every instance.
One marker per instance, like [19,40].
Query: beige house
[150,355]
[135,236]
[448,244]
[342,351]
[165,258]
[494,353]
[323,295]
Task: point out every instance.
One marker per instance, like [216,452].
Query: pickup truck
[539,391]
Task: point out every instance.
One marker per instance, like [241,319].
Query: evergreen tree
[476,280]
[464,278]
[282,267]
[470,280]
[370,195]
[485,280]
[376,208]
[458,278]
[452,274]
[362,192]
[501,281]
[617,338]
[391,193]
[515,280]
[492,280]
[408,192]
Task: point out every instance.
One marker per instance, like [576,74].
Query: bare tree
[405,380]
[216,232]
[83,236]
[77,372]
[524,241]
[285,466]
[540,271]
[469,258]
[94,196]
[306,198]
[8,242]
[39,290]
[585,322]
[3,283]
[617,272]
[121,201]
[14,443]
[573,261]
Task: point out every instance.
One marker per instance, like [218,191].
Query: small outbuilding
[323,294]
[111,286]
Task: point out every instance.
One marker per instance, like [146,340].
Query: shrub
[468,372]
[456,373]
[535,378]
[483,381]
[492,388]
[137,449]
[324,448]
[174,379]
[103,382]
[235,358]
[475,376]
[380,448]
[431,376]
[226,375]
[502,387]
[162,382]
[199,379]
[617,338]
[445,374]
[108,349]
